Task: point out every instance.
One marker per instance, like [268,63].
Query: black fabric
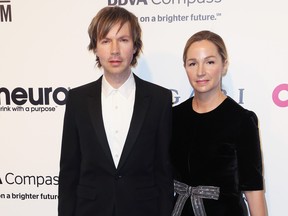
[220,148]
[89,182]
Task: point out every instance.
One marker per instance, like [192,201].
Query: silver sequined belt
[196,194]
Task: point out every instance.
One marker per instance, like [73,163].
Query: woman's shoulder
[183,105]
[238,110]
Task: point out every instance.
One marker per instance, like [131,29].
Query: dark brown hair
[105,19]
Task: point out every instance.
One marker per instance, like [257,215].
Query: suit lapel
[140,109]
[95,110]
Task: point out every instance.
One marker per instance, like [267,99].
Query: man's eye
[104,41]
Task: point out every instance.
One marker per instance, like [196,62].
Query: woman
[216,148]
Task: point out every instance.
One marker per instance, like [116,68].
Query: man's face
[115,51]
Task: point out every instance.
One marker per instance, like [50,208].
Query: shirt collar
[125,89]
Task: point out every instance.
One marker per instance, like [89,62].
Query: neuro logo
[278,95]
[5,11]
[32,99]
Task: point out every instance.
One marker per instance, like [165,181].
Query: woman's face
[204,67]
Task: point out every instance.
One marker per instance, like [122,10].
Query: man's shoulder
[85,88]
[149,86]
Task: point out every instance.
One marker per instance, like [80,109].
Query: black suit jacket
[89,182]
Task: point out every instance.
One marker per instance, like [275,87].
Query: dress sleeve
[249,154]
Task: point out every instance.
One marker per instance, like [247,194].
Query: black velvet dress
[220,148]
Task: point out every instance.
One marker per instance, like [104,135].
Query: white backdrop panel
[43,53]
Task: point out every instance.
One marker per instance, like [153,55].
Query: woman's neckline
[209,110]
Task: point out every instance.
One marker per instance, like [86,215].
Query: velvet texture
[220,148]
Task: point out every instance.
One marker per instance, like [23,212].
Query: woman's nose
[200,70]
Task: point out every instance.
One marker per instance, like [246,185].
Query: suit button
[117,177]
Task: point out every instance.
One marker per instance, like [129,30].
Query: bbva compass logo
[160,2]
[10,178]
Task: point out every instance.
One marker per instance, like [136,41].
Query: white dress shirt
[117,110]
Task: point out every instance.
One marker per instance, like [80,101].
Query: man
[116,135]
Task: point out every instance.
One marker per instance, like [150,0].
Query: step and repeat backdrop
[43,53]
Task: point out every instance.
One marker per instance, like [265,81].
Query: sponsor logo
[5,11]
[42,99]
[28,196]
[175,96]
[174,17]
[127,2]
[239,98]
[161,2]
[32,180]
[35,181]
[278,95]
